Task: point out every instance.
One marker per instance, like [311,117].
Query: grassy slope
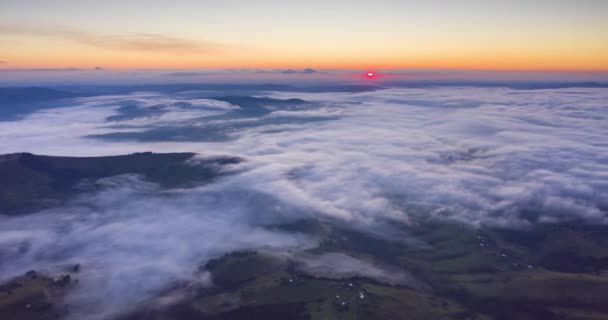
[500,280]
[466,281]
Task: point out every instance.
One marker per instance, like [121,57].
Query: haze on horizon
[388,34]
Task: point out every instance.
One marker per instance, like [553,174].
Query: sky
[383,34]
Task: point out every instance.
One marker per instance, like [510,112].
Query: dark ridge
[130,112]
[31,182]
[254,105]
[33,94]
[15,102]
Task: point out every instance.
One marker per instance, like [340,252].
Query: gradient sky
[432,34]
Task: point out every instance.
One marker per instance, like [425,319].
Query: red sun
[370,74]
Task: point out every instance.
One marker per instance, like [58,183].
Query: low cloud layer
[491,156]
[479,156]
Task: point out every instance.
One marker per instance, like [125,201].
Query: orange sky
[460,34]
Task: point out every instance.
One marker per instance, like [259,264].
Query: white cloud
[132,241]
[337,265]
[482,156]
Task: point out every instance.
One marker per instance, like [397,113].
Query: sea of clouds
[481,156]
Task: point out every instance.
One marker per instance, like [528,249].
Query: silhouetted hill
[33,94]
[20,101]
[31,182]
